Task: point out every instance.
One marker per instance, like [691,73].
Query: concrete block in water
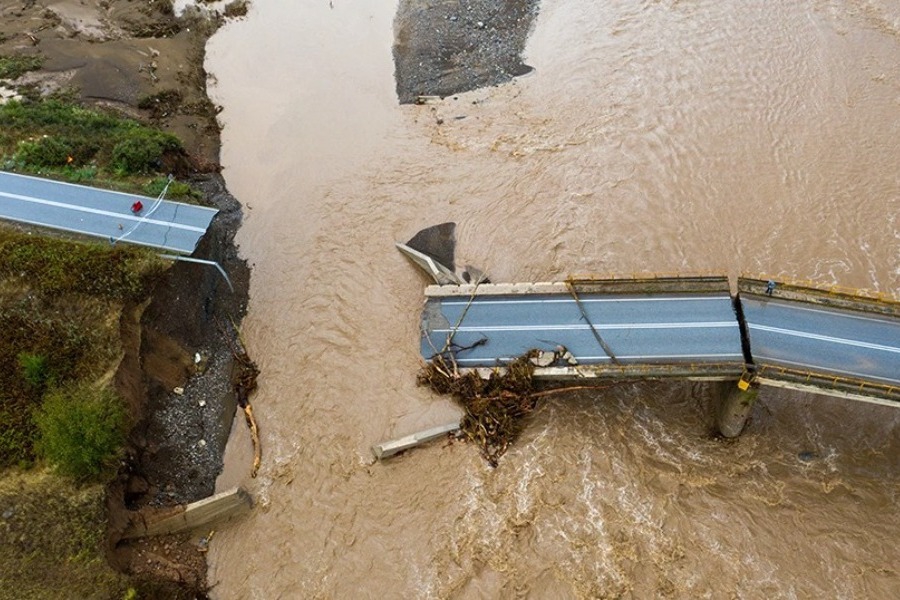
[386,449]
[162,521]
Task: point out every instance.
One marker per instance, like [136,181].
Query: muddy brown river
[730,136]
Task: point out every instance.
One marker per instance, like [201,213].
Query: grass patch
[54,134]
[178,190]
[35,369]
[60,303]
[52,536]
[13,67]
[76,339]
[57,266]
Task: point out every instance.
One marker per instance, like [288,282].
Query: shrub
[43,134]
[141,151]
[177,190]
[44,152]
[35,369]
[80,429]
[13,67]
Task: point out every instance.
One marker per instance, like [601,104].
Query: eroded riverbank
[136,60]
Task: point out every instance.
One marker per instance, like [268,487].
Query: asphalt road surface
[172,226]
[663,329]
[812,338]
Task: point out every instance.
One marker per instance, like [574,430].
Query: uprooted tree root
[243,380]
[496,409]
[244,373]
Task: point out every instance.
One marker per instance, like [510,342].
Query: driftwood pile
[496,409]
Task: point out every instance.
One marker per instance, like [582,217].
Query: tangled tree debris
[243,381]
[496,408]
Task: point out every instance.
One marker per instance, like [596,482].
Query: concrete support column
[736,407]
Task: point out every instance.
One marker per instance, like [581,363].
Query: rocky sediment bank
[446,47]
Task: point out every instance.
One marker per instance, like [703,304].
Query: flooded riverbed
[731,136]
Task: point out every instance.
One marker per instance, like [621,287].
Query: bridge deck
[100,213]
[798,337]
[694,331]
[802,337]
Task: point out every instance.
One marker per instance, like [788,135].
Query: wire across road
[696,328]
[786,337]
[172,226]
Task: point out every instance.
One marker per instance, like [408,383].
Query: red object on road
[137,207]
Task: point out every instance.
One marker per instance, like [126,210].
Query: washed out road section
[171,226]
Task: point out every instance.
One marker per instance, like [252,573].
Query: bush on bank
[82,429]
[58,138]
[54,133]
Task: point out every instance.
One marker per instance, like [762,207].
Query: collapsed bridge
[766,333]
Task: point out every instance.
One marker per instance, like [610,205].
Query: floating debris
[496,408]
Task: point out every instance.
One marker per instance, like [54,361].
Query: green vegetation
[56,137]
[82,429]
[35,369]
[54,133]
[56,266]
[52,536]
[177,190]
[59,310]
[61,326]
[13,67]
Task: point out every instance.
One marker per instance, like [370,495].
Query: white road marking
[831,313]
[823,338]
[579,327]
[627,357]
[815,368]
[104,213]
[465,301]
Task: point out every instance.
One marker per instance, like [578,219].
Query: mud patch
[445,47]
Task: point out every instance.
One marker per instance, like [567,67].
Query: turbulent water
[730,136]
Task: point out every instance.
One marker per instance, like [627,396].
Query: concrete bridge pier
[736,407]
